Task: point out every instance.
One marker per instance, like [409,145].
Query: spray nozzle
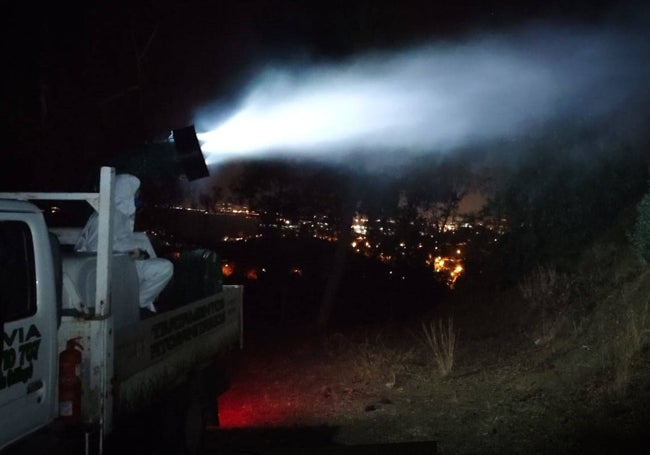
[74,343]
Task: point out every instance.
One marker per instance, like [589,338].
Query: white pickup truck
[52,298]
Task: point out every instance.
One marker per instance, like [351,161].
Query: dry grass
[615,331]
[628,336]
[441,340]
[374,360]
[546,295]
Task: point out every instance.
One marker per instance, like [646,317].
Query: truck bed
[158,352]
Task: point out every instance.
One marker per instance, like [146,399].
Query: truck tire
[190,408]
[170,425]
[193,426]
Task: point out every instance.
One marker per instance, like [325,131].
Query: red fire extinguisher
[70,382]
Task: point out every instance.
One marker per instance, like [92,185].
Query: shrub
[441,339]
[373,359]
[546,293]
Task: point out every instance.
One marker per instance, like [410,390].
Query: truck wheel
[193,426]
[171,437]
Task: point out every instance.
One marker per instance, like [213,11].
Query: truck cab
[28,322]
[52,296]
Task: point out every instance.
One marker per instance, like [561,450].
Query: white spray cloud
[434,97]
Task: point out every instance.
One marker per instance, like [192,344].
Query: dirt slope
[582,388]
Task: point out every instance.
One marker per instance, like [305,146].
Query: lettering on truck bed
[183,327]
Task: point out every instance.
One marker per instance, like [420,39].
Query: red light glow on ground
[242,407]
[283,384]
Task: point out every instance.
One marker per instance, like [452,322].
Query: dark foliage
[285,279]
[641,235]
[556,205]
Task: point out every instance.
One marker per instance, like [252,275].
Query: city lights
[451,267]
[443,252]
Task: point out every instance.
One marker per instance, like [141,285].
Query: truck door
[27,356]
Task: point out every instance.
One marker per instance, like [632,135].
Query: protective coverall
[153,273]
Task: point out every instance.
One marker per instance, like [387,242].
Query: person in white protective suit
[153,273]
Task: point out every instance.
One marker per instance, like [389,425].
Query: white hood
[126,185]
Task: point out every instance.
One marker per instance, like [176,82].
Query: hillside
[564,370]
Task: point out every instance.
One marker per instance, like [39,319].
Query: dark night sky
[83,84]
